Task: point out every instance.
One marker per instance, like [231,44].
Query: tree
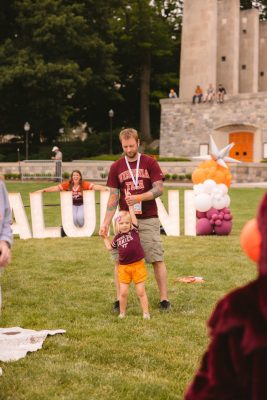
[61,62]
[51,52]
[145,34]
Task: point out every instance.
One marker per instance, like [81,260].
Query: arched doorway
[243,148]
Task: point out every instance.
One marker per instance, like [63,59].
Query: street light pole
[111,115]
[18,152]
[27,127]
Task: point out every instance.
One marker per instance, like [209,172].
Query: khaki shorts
[149,231]
[135,272]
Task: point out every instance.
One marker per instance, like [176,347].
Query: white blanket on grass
[16,342]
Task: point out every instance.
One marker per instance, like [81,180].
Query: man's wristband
[138,198]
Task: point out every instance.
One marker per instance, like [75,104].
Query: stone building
[220,44]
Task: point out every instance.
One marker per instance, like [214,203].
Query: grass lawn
[68,283]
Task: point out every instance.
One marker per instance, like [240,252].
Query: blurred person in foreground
[235,363]
[6,236]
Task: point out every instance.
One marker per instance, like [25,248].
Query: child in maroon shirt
[131,260]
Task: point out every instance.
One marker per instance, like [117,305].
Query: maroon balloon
[211,211]
[201,214]
[224,229]
[203,227]
[227,217]
[226,210]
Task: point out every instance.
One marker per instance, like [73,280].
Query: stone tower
[220,44]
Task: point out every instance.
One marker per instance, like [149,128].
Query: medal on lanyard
[137,206]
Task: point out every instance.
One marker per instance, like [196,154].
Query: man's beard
[132,155]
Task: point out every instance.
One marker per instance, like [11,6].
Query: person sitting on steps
[198,94]
[209,95]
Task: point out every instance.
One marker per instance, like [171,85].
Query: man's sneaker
[146,315]
[121,315]
[116,306]
[165,305]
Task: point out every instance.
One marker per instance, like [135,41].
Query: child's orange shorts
[135,272]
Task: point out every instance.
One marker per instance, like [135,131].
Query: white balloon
[203,202]
[220,202]
[227,200]
[222,187]
[217,191]
[199,188]
[209,185]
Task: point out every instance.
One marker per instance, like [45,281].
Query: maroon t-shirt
[149,172]
[129,246]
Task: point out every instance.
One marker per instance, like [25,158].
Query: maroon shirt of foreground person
[120,178]
[234,367]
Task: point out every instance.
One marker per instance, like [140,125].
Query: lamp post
[27,127]
[18,152]
[111,115]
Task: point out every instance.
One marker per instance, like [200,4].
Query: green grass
[68,283]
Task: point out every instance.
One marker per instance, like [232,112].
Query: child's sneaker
[146,315]
[121,315]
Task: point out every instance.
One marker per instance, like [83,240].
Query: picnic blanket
[16,342]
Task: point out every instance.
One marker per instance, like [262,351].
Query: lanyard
[134,179]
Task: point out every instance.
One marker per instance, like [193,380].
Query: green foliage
[167,177]
[179,177]
[60,62]
[106,157]
[12,176]
[66,175]
[148,36]
[50,57]
[182,159]
[95,145]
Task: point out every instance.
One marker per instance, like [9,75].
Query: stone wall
[93,170]
[185,126]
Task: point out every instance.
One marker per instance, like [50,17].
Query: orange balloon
[210,169]
[250,239]
[211,164]
[198,176]
[219,177]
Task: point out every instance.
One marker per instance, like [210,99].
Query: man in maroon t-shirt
[141,177]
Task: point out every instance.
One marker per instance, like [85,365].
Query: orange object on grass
[250,239]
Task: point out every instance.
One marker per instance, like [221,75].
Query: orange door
[243,148]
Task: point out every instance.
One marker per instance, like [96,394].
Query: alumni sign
[170,220]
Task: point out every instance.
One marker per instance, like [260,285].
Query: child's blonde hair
[120,215]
